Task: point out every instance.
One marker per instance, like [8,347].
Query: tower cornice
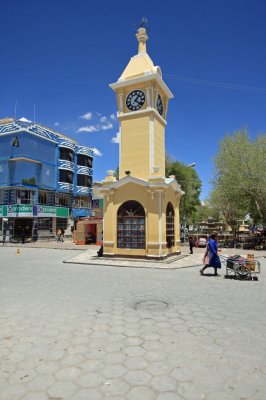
[155,76]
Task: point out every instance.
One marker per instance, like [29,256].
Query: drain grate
[151,305]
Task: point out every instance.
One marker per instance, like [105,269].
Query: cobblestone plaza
[92,332]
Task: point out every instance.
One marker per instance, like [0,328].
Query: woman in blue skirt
[212,254]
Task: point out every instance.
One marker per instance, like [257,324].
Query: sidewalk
[87,254]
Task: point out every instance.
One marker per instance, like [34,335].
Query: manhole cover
[152,305]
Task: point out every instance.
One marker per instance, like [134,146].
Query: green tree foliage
[190,183]
[239,183]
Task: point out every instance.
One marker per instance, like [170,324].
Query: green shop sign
[19,210]
[50,211]
[25,210]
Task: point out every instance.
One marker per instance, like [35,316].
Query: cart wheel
[243,272]
[255,278]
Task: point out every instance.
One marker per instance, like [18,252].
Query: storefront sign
[19,210]
[46,211]
[26,210]
[80,212]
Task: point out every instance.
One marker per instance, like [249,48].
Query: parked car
[202,242]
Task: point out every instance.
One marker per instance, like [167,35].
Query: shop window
[81,202]
[84,180]
[2,196]
[24,196]
[62,199]
[45,224]
[66,154]
[84,160]
[170,225]
[66,176]
[131,226]
[43,197]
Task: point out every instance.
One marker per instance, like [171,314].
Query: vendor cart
[238,267]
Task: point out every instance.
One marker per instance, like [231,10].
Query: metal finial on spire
[143,24]
[141,35]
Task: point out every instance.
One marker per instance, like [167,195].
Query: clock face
[135,100]
[159,105]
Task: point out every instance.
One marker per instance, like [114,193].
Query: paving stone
[134,351]
[22,376]
[169,396]
[68,373]
[141,392]
[90,380]
[138,377]
[114,371]
[62,390]
[13,392]
[41,382]
[36,396]
[87,394]
[164,383]
[115,387]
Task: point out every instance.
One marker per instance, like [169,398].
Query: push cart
[238,267]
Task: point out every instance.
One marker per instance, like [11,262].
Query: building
[45,180]
[141,209]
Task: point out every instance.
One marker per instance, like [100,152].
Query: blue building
[45,180]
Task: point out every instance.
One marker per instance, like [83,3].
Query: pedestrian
[62,234]
[191,244]
[100,251]
[211,258]
[58,234]
[23,235]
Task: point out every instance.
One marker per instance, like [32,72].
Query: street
[81,332]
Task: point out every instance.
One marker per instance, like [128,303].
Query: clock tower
[142,100]
[141,209]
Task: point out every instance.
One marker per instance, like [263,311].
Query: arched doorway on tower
[170,225]
[131,225]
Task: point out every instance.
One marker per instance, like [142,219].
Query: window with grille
[131,226]
[84,160]
[84,180]
[66,154]
[65,176]
[170,225]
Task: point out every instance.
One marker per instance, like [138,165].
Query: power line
[216,83]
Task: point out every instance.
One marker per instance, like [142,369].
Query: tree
[239,183]
[190,183]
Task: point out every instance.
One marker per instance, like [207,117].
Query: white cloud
[89,128]
[116,139]
[103,119]
[86,116]
[107,126]
[97,152]
[56,124]
[112,116]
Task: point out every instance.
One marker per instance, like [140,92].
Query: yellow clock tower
[141,214]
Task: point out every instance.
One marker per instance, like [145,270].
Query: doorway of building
[23,227]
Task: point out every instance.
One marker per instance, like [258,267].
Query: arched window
[131,226]
[170,225]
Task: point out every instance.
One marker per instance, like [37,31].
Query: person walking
[191,244]
[23,235]
[58,234]
[211,258]
[62,234]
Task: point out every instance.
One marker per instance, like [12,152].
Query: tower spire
[142,37]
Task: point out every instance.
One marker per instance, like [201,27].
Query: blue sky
[61,55]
